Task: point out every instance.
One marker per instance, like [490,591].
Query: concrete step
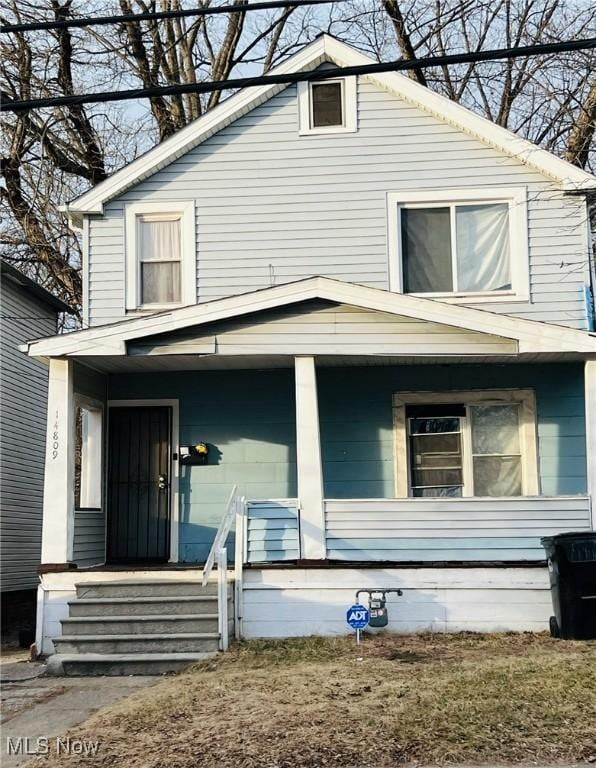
[144,625]
[144,606]
[146,588]
[95,664]
[191,642]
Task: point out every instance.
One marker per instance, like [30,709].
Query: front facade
[366,310]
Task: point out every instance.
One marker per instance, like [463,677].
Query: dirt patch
[309,702]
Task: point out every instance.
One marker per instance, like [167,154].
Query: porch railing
[218,555]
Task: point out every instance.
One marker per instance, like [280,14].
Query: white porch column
[308,460]
[590,384]
[58,490]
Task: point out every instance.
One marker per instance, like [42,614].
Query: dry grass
[409,699]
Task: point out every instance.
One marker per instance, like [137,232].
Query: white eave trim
[326,48]
[112,339]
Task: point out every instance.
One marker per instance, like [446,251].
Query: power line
[156,15]
[294,77]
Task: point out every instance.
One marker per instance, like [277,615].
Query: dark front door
[139,484]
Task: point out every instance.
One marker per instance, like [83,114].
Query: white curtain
[160,282]
[482,233]
[496,450]
[160,253]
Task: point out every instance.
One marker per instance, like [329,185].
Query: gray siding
[273,207]
[89,543]
[89,538]
[23,408]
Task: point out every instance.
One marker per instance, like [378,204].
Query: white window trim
[96,454]
[349,107]
[188,261]
[515,197]
[527,433]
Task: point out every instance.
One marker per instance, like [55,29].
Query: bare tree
[52,155]
[549,99]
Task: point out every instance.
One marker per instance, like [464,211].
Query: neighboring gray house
[26,309]
[362,309]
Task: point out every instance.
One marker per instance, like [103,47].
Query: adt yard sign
[357,616]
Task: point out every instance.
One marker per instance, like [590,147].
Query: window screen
[436,459]
[326,104]
[159,256]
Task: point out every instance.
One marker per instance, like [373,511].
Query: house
[373,309]
[26,309]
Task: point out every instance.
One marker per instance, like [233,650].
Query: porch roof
[197,332]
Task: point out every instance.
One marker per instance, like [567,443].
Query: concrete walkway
[37,707]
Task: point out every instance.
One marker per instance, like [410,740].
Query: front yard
[397,699]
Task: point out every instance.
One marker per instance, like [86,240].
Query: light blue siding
[466,529]
[273,207]
[272,531]
[357,423]
[248,417]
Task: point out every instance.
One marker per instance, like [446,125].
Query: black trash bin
[571,559]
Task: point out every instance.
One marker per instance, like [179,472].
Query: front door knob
[162,482]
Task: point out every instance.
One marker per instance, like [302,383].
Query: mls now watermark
[63,745]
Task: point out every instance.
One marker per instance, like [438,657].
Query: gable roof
[113,339]
[328,49]
[15,276]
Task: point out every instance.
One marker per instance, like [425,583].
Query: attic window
[328,106]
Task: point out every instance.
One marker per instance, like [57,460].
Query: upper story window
[479,443]
[160,254]
[327,106]
[470,245]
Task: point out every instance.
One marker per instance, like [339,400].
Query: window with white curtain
[160,254]
[474,246]
[479,443]
[456,248]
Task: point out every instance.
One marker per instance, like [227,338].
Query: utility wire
[155,15]
[294,77]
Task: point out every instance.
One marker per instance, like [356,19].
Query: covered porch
[374,438]
[360,425]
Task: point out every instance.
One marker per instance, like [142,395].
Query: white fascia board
[190,136]
[569,176]
[532,336]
